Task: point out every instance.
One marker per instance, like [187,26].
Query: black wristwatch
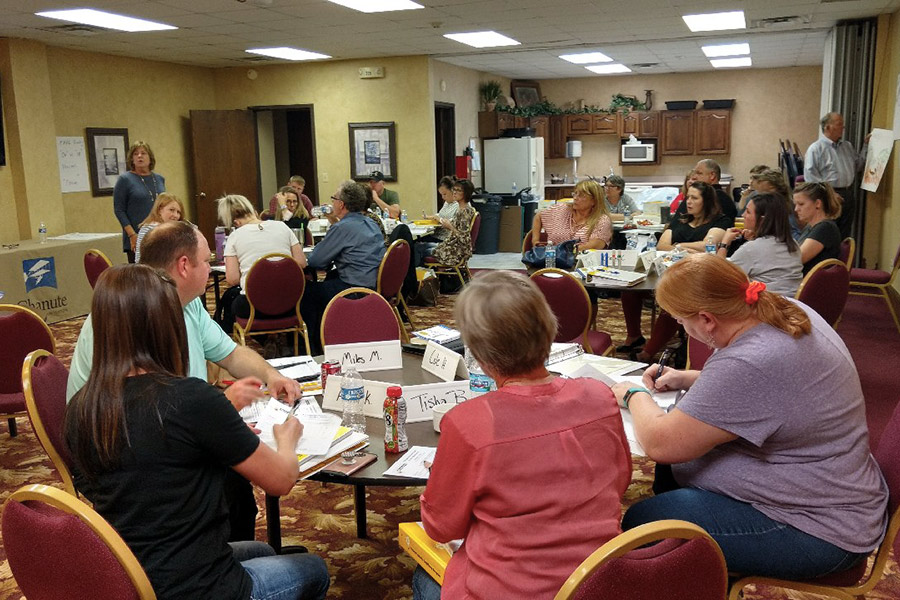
[721,245]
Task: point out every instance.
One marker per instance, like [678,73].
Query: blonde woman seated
[290,209]
[769,448]
[166,208]
[586,219]
[817,208]
[531,475]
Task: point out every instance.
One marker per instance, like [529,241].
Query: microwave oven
[639,153]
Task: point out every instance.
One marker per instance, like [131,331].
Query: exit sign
[371,72]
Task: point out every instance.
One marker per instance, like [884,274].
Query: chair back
[825,289]
[358,315]
[59,547]
[528,243]
[847,251]
[44,380]
[95,262]
[687,564]
[568,300]
[275,284]
[30,333]
[697,354]
[393,269]
[476,227]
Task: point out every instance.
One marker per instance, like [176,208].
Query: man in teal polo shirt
[387,200]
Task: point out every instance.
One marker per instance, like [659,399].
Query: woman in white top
[251,239]
[770,255]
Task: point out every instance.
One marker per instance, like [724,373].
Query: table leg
[273,522]
[359,505]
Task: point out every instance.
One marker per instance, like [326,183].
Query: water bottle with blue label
[550,256]
[710,245]
[404,218]
[651,244]
[42,233]
[479,381]
[353,396]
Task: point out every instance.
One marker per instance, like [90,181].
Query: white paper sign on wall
[367,356]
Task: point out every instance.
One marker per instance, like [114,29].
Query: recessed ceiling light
[726,50]
[607,69]
[374,6]
[716,21]
[586,58]
[482,39]
[287,53]
[730,63]
[98,18]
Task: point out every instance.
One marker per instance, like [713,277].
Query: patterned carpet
[320,516]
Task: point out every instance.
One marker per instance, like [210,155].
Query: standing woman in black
[135,192]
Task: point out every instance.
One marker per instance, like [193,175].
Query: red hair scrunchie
[751,292]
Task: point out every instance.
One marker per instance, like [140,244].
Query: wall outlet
[324,177]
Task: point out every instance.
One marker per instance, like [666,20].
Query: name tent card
[443,362]
[420,399]
[367,356]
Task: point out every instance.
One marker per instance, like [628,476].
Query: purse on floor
[536,257]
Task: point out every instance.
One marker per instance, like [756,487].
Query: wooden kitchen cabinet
[492,123]
[558,193]
[713,132]
[555,143]
[677,132]
[579,125]
[640,124]
[605,123]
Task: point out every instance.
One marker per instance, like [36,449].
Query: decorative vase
[490,106]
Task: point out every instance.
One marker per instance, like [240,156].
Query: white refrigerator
[509,161]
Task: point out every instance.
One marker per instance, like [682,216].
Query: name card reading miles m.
[420,399]
[367,356]
[443,362]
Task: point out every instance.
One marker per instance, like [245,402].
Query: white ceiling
[215,33]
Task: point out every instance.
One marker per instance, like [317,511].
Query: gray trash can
[488,241]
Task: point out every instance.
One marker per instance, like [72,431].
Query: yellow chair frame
[398,299]
[822,265]
[11,417]
[880,290]
[457,269]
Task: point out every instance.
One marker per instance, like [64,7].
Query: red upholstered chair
[572,306]
[825,289]
[30,333]
[855,582]
[391,273]
[875,282]
[847,252]
[528,244]
[59,547]
[367,317]
[460,270]
[697,354]
[95,262]
[274,286]
[686,565]
[44,383]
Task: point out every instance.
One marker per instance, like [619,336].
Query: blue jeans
[751,542]
[423,249]
[424,587]
[282,577]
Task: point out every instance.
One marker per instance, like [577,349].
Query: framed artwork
[373,147]
[525,93]
[106,158]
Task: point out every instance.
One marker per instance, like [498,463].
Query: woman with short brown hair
[135,192]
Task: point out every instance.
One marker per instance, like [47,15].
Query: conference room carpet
[321,517]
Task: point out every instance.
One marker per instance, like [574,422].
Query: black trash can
[488,241]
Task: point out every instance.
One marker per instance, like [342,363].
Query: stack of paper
[412,463]
[609,276]
[560,352]
[344,439]
[301,368]
[440,334]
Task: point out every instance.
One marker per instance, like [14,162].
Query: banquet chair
[573,309]
[825,289]
[461,269]
[847,252]
[875,282]
[686,564]
[44,380]
[528,244]
[697,354]
[367,318]
[95,262]
[391,274]
[857,581]
[59,547]
[30,333]
[274,286]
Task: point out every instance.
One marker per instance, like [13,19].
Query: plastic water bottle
[353,394]
[404,218]
[479,382]
[515,188]
[710,245]
[651,244]
[550,256]
[42,233]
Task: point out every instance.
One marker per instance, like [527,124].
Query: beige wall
[771,104]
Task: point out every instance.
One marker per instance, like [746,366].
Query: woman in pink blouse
[585,219]
[531,475]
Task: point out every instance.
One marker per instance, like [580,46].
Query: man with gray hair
[708,171]
[835,161]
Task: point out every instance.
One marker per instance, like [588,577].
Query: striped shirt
[559,223]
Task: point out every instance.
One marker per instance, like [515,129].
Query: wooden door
[578,125]
[713,131]
[557,136]
[648,124]
[629,125]
[444,143]
[677,132]
[604,123]
[541,126]
[225,162]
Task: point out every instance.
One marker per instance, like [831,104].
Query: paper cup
[438,412]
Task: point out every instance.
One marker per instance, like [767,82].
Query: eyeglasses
[456,191]
[335,198]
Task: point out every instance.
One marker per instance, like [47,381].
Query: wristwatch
[721,245]
[631,392]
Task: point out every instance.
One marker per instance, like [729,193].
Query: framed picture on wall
[373,147]
[525,93]
[106,158]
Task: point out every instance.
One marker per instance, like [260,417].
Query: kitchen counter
[654,181]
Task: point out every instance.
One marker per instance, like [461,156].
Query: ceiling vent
[645,65]
[257,59]
[780,22]
[75,29]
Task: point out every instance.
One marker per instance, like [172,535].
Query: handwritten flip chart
[73,173]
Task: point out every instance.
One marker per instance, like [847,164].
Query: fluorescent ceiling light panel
[726,50]
[98,18]
[716,21]
[586,58]
[287,53]
[607,69]
[482,39]
[730,63]
[375,6]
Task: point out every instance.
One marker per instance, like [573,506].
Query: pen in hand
[662,363]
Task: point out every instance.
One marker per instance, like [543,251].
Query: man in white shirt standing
[832,160]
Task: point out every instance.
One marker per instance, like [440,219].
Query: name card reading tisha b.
[367,356]
[443,362]
[420,399]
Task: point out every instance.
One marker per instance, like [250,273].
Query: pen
[662,363]
[294,408]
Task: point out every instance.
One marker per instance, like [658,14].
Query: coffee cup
[438,412]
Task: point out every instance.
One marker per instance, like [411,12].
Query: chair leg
[890,303]
[412,325]
[462,280]
[404,335]
[296,343]
[306,341]
[13,428]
